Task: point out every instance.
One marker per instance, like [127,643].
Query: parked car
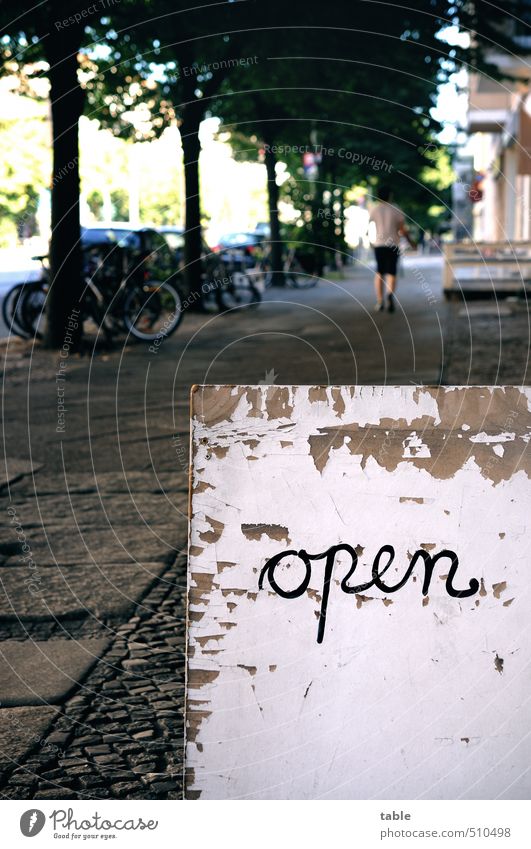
[246,244]
[175,238]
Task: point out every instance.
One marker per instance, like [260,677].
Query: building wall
[500,129]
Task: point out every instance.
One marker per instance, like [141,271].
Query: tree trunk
[189,130]
[65,247]
[274,224]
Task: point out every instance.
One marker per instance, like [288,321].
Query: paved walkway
[93,533]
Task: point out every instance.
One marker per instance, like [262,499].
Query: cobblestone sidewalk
[121,735]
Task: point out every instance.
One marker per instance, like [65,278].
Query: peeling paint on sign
[417,688]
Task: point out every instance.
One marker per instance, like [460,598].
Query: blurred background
[235,123]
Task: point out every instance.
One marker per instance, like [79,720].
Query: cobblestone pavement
[120,736]
[101,507]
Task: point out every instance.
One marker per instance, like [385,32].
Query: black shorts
[386,259]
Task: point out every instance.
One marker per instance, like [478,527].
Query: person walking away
[387,226]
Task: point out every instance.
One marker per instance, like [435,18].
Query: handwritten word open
[378,572]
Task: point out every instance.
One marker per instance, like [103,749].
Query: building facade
[499,123]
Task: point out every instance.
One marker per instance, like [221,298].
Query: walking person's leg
[379,279]
[390,278]
[379,290]
[390,282]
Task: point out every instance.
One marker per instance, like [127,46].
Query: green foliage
[356,77]
[25,168]
[494,29]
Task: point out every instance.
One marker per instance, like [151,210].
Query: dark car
[246,245]
[120,244]
[175,238]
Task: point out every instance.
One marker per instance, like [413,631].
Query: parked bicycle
[227,283]
[15,303]
[297,275]
[121,291]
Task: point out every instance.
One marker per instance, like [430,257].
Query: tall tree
[50,33]
[51,39]
[201,49]
[493,29]
[174,57]
[62,46]
[354,88]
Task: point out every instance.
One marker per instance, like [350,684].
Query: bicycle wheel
[11,311]
[32,304]
[262,276]
[152,310]
[240,291]
[215,280]
[301,280]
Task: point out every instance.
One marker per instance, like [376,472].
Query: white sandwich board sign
[358,593]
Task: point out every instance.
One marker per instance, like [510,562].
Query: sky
[452,99]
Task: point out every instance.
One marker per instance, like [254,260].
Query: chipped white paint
[408,695]
[488,438]
[414,447]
